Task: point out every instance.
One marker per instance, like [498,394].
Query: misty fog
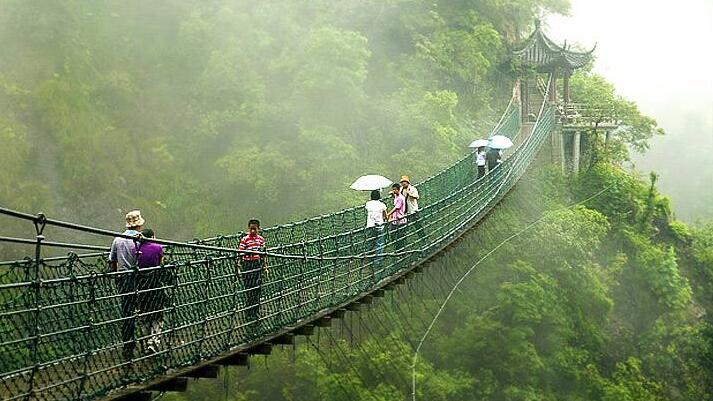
[217,117]
[660,55]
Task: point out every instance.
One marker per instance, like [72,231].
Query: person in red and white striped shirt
[250,267]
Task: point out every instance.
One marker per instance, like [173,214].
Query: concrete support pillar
[575,152]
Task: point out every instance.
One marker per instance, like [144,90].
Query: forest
[601,298]
[205,113]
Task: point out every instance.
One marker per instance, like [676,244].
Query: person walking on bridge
[250,268]
[122,259]
[480,161]
[411,195]
[494,157]
[397,217]
[375,218]
[152,299]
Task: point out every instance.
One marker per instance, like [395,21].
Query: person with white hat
[123,250]
[122,258]
[411,194]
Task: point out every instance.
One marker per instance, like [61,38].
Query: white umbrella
[478,143]
[370,183]
[499,142]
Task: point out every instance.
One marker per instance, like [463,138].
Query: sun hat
[405,178]
[134,219]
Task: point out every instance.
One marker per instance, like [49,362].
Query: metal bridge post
[207,279]
[37,287]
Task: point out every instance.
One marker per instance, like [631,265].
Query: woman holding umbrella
[376,215]
[480,158]
[375,218]
[479,145]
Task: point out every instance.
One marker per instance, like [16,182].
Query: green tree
[600,103]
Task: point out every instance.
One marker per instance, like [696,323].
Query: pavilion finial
[538,23]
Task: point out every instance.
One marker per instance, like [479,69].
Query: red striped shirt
[252,243]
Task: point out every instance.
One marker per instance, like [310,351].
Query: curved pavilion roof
[540,51]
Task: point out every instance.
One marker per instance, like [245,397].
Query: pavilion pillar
[557,146]
[575,151]
[562,154]
[553,86]
[524,99]
[565,86]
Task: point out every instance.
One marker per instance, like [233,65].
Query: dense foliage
[264,109]
[599,100]
[606,300]
[204,113]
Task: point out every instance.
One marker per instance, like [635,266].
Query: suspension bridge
[60,336]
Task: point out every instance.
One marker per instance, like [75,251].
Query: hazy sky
[659,54]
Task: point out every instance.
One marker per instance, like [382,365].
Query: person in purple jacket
[152,297]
